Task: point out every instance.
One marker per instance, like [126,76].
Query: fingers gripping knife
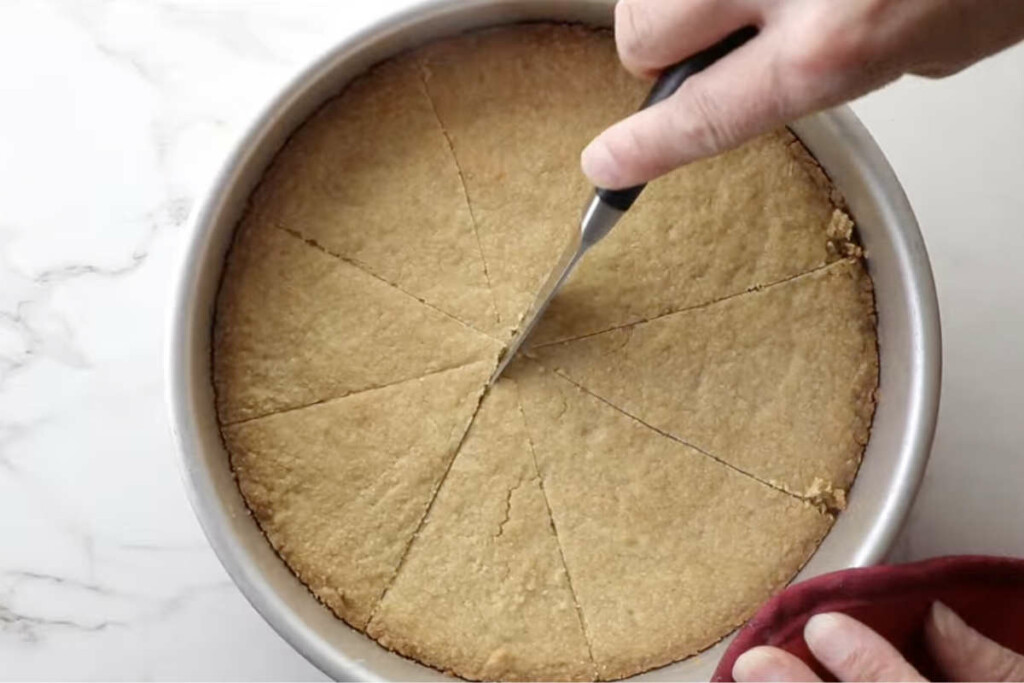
[605,209]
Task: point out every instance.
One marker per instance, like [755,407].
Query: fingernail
[598,164]
[824,636]
[947,622]
[756,664]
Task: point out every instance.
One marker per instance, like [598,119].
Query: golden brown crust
[712,229]
[296,326]
[668,550]
[371,178]
[519,105]
[778,382]
[339,488]
[814,170]
[483,592]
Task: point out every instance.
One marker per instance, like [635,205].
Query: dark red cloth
[987,592]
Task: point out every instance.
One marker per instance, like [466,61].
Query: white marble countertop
[113,114]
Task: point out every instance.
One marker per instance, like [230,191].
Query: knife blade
[598,220]
[606,207]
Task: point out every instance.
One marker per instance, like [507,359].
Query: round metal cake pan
[908,328]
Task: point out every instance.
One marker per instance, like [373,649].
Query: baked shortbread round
[665,455]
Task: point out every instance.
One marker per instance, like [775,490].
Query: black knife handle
[668,82]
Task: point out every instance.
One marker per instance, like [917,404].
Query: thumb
[966,655]
[735,99]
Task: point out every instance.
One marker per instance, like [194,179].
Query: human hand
[808,56]
[853,652]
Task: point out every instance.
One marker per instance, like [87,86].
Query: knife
[606,207]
